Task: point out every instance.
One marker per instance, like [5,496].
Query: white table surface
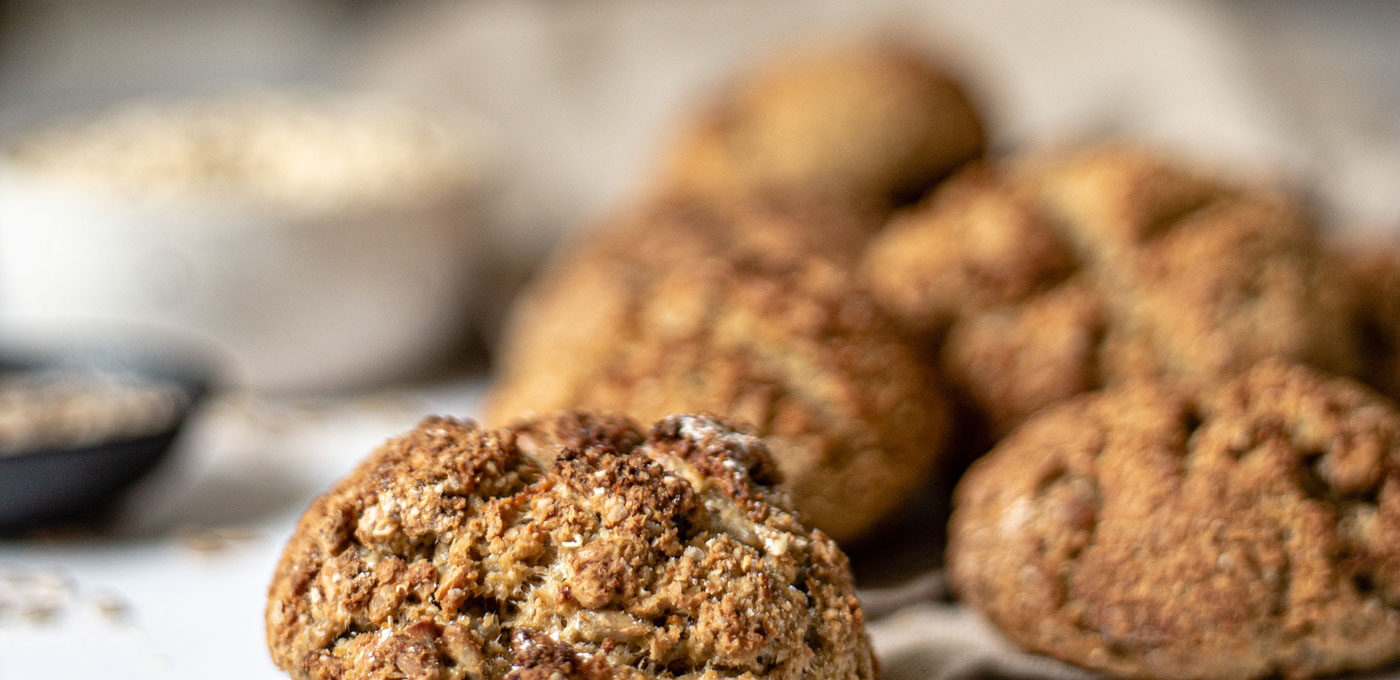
[187,563]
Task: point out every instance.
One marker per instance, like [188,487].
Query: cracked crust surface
[868,122]
[1103,264]
[1139,532]
[568,547]
[759,330]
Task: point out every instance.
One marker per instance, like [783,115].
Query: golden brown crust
[1146,534]
[1363,279]
[975,243]
[665,229]
[1109,197]
[572,546]
[1013,360]
[775,337]
[867,122]
[1175,276]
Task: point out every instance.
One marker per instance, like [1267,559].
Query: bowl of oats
[313,241]
[80,425]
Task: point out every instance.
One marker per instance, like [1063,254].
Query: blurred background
[362,298]
[561,107]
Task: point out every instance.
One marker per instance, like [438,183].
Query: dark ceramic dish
[50,483]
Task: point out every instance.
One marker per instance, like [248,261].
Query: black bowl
[52,483]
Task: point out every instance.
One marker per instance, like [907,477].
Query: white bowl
[324,296]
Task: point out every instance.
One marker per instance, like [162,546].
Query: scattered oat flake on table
[111,607]
[209,540]
[35,595]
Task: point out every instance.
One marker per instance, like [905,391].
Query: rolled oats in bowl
[291,152]
[315,241]
[73,408]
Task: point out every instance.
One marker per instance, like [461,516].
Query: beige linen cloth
[582,94]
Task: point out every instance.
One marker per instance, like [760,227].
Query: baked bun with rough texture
[571,547]
[763,332]
[1250,533]
[1056,274]
[872,123]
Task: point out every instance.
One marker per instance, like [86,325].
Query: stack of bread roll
[1178,393]
[1179,390]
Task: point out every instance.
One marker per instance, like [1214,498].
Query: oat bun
[1044,276]
[569,547]
[1138,532]
[870,122]
[763,331]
